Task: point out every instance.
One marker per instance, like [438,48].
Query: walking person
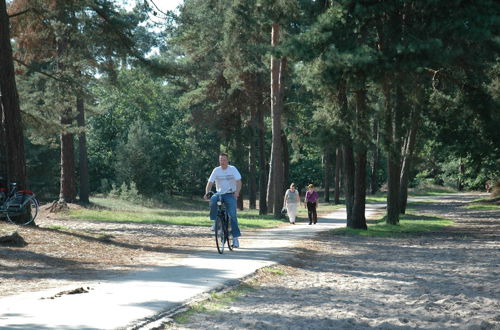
[291,202]
[311,201]
[227,180]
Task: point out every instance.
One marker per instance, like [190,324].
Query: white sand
[447,280]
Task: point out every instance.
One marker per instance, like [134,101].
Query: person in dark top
[311,201]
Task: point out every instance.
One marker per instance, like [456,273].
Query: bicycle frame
[224,233]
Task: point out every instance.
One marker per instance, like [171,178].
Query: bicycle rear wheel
[220,237]
[25,214]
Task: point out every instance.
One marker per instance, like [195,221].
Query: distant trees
[316,92]
[390,46]
[61,46]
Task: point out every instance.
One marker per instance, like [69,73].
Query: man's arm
[238,188]
[207,189]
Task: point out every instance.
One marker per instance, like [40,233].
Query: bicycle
[223,230]
[20,207]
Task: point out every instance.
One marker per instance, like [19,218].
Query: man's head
[223,160]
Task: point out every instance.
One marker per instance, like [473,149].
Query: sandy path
[447,280]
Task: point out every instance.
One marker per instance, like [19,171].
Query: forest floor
[440,280]
[447,279]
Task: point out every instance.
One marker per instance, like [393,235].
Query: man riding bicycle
[228,184]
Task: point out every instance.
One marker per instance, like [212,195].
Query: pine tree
[10,114]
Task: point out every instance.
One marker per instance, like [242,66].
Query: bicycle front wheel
[24,215]
[220,237]
[229,234]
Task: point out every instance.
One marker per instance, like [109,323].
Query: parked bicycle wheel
[25,214]
[220,237]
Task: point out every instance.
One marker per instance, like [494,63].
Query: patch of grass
[220,300]
[409,224]
[479,206]
[57,227]
[194,213]
[485,204]
[426,188]
[216,303]
[274,271]
[376,198]
[427,201]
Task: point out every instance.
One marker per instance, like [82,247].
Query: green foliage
[126,193]
[42,163]
[141,136]
[305,171]
[162,135]
[175,211]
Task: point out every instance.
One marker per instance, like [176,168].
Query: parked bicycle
[19,206]
[223,232]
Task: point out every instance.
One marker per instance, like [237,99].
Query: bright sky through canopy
[162,5]
[165,5]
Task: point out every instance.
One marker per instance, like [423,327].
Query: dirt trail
[444,280]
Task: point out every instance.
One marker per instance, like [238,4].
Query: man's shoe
[213,227]
[236,243]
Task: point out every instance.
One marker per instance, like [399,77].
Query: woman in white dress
[291,202]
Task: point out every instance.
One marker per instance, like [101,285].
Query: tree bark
[408,158]
[376,150]
[338,167]
[11,111]
[286,160]
[262,158]
[358,210]
[270,186]
[252,166]
[348,170]
[239,158]
[3,150]
[277,72]
[393,157]
[347,152]
[327,157]
[82,152]
[67,192]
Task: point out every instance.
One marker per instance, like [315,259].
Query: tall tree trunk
[239,158]
[11,111]
[252,166]
[262,158]
[67,192]
[375,160]
[3,150]
[277,72]
[286,160]
[394,153]
[408,158]
[338,167]
[348,170]
[327,157]
[82,152]
[347,152]
[358,210]
[270,186]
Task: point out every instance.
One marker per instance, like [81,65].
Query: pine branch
[42,73]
